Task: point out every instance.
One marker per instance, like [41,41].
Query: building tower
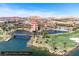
[34,25]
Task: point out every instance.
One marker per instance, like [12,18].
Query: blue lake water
[55,32]
[75,52]
[19,43]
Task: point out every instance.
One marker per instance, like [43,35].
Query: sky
[39,9]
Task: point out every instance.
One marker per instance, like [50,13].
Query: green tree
[45,34]
[54,45]
[34,33]
[65,45]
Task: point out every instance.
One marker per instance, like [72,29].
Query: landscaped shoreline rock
[32,43]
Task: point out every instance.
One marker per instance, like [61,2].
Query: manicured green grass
[59,39]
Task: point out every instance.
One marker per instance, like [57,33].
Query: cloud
[9,11]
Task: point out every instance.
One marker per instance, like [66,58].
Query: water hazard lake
[19,43]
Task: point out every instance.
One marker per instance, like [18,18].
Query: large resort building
[62,26]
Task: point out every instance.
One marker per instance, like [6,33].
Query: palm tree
[35,33]
[5,27]
[45,34]
[65,44]
[46,41]
[54,46]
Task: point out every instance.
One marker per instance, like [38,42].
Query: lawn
[60,39]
